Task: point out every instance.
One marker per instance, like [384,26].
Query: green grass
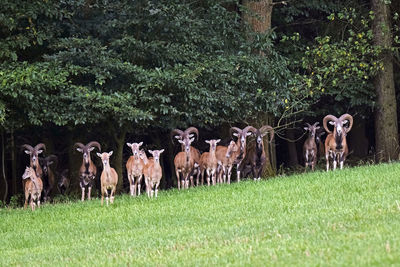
[347,217]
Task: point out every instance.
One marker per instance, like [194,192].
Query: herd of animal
[214,166]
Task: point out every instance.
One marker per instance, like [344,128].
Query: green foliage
[346,218]
[144,63]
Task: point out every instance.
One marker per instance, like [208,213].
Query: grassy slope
[348,217]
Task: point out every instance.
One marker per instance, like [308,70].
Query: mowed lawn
[348,217]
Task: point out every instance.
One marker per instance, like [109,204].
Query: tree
[386,125]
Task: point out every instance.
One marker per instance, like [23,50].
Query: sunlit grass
[348,217]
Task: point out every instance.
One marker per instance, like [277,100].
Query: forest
[127,71]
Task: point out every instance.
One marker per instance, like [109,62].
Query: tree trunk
[258,15]
[14,183]
[386,128]
[292,150]
[118,158]
[4,167]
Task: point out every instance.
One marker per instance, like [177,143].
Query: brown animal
[241,135]
[185,136]
[335,143]
[255,158]
[33,187]
[87,171]
[63,183]
[209,162]
[225,157]
[134,168]
[34,152]
[108,178]
[48,175]
[153,173]
[184,164]
[310,151]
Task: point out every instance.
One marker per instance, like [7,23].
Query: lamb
[226,156]
[209,162]
[310,150]
[134,168]
[63,183]
[33,187]
[108,178]
[153,173]
[335,143]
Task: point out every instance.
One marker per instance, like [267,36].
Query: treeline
[129,71]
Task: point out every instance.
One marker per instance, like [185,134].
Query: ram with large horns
[87,171]
[33,153]
[187,161]
[335,144]
[241,135]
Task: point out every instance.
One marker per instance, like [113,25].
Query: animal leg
[327,161]
[26,200]
[112,195]
[156,189]
[178,178]
[89,192]
[83,194]
[102,196]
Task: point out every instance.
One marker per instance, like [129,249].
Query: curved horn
[249,128]
[325,121]
[95,144]
[176,132]
[234,129]
[26,146]
[192,130]
[348,117]
[80,145]
[39,146]
[267,128]
[308,125]
[315,124]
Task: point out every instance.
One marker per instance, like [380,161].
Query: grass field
[348,217]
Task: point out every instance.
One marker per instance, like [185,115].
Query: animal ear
[27,152]
[191,135]
[306,128]
[235,134]
[98,154]
[79,149]
[218,140]
[180,141]
[207,141]
[331,122]
[191,140]
[141,143]
[177,137]
[151,151]
[161,151]
[317,128]
[249,133]
[40,151]
[91,149]
[110,153]
[129,144]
